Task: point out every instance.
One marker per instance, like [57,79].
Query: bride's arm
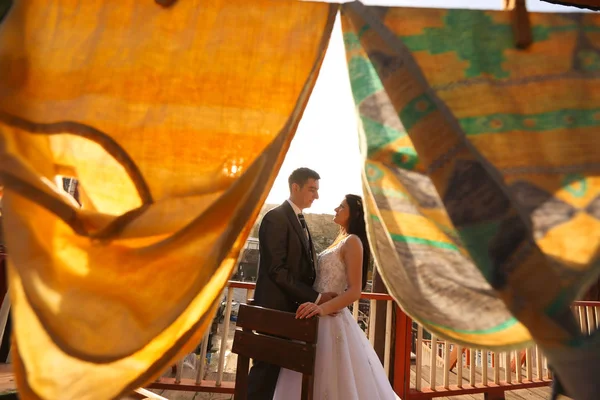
[352,254]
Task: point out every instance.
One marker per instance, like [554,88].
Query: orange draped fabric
[175,121]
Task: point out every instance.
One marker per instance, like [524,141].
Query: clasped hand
[309,309]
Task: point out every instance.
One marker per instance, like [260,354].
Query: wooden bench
[294,346]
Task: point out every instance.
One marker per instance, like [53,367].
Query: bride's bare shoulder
[352,242]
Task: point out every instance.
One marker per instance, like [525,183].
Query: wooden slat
[472,367]
[446,364]
[249,295]
[590,319]
[507,371]
[459,365]
[496,368]
[260,347]
[538,358]
[241,377]
[419,356]
[548,373]
[484,367]
[388,337]
[202,361]
[433,361]
[277,323]
[221,365]
[517,364]
[439,391]
[372,321]
[581,316]
[529,363]
[179,371]
[307,388]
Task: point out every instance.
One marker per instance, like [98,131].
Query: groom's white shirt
[297,211]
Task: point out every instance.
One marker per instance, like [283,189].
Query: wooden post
[494,395]
[403,342]
[379,287]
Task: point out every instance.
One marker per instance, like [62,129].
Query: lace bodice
[331,271]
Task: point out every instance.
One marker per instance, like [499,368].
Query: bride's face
[342,214]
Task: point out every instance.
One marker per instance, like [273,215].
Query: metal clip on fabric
[165,3]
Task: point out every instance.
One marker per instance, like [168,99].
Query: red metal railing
[402,349]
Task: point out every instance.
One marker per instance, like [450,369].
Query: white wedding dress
[346,366]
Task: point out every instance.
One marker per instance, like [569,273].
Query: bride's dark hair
[357,226]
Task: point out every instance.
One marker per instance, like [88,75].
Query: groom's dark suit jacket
[286,269]
[286,274]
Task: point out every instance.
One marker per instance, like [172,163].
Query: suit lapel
[289,211]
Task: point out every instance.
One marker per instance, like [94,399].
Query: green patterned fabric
[482,168]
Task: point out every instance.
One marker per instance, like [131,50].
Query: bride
[346,366]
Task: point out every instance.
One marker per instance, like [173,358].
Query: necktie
[302,221]
[303,224]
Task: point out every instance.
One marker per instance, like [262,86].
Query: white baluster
[484,367]
[473,368]
[518,366]
[507,370]
[224,336]
[538,358]
[372,321]
[433,362]
[548,372]
[581,315]
[388,337]
[459,366]
[355,310]
[419,361]
[446,364]
[496,368]
[529,363]
[179,371]
[590,319]
[202,360]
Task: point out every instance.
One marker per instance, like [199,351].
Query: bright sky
[327,138]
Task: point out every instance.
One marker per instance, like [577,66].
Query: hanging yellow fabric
[175,121]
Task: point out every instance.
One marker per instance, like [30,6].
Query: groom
[286,271]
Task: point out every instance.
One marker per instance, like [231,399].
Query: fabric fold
[175,122]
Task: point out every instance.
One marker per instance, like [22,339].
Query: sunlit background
[327,138]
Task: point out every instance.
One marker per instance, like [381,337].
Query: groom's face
[307,193]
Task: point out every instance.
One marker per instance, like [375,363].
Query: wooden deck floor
[542,393]
[519,394]
[7,380]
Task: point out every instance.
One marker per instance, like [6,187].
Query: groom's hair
[301,175]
